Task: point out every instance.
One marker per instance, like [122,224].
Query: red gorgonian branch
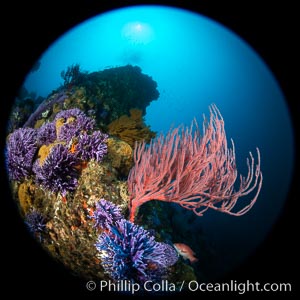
[197,171]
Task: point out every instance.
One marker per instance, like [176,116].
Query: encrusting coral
[131,128]
[25,197]
[120,154]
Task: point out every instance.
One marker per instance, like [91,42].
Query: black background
[27,29]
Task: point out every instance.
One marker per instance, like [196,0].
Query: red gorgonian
[197,171]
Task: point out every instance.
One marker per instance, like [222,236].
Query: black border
[29,28]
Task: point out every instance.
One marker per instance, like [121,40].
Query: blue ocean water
[196,62]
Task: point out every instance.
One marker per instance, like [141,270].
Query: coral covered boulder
[68,163]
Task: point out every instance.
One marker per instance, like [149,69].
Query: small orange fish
[91,212]
[73,148]
[186,252]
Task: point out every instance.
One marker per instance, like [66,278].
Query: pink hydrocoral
[197,172]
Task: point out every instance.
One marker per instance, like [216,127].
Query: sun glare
[137,33]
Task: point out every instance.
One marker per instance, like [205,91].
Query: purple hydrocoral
[58,171]
[76,122]
[20,151]
[46,134]
[127,251]
[92,146]
[170,254]
[66,114]
[35,222]
[106,213]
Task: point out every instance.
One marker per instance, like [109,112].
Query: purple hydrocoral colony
[92,146]
[46,134]
[66,114]
[73,128]
[106,213]
[35,222]
[127,251]
[20,151]
[57,172]
[170,254]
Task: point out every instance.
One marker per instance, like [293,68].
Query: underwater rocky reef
[84,170]
[67,153]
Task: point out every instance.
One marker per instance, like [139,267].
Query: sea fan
[58,171]
[20,151]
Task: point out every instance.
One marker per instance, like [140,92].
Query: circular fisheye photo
[143,147]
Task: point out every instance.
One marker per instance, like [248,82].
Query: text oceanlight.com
[193,286]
